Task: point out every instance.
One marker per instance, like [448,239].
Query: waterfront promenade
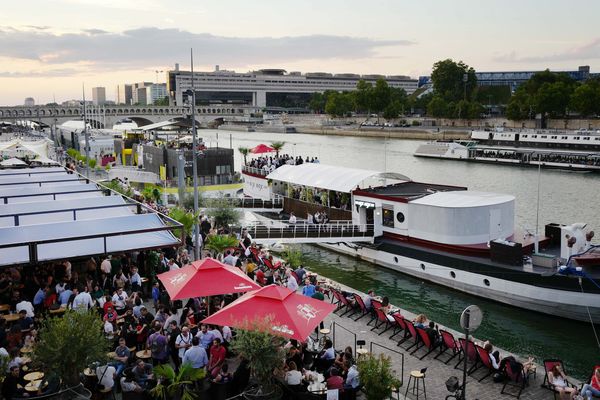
[437,372]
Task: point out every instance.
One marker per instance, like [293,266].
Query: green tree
[364,96]
[162,102]
[519,106]
[223,212]
[381,96]
[437,107]
[586,98]
[293,256]
[339,104]
[69,344]
[376,376]
[244,151]
[185,218]
[180,385]
[218,243]
[277,146]
[448,80]
[317,102]
[553,98]
[152,192]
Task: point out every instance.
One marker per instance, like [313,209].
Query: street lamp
[192,92]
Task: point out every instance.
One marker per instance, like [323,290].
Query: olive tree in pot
[264,352]
[376,376]
[69,344]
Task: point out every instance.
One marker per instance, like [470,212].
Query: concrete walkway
[437,372]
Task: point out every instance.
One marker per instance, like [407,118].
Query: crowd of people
[271,163]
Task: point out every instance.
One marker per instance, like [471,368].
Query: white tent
[12,162]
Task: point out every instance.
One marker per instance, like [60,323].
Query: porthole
[486,282]
[423,267]
[396,260]
[400,217]
[452,274]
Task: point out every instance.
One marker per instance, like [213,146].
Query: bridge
[333,232]
[107,116]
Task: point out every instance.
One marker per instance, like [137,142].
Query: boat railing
[334,230]
[275,203]
[255,171]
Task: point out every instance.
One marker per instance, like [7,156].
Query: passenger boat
[465,240]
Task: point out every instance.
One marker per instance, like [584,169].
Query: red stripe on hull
[254,175]
[450,248]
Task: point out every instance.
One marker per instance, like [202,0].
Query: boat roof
[329,177]
[463,199]
[407,191]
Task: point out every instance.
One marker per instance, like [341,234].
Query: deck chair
[448,344]
[382,321]
[548,365]
[361,307]
[427,343]
[590,380]
[411,334]
[345,304]
[484,359]
[514,378]
[399,325]
[470,353]
[374,304]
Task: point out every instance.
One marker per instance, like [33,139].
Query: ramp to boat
[336,231]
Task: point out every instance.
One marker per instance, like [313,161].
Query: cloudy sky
[49,48]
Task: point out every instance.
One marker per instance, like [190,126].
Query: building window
[388,218]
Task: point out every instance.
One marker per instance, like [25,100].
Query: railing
[255,171]
[340,229]
[245,202]
[387,350]
[333,335]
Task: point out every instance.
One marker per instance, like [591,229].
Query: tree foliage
[69,344]
[173,384]
[223,212]
[293,256]
[376,376]
[219,243]
[118,187]
[586,98]
[317,102]
[277,146]
[339,104]
[244,151]
[186,218]
[152,192]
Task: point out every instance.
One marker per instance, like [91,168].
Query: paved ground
[437,371]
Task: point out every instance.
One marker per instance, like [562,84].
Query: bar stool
[415,378]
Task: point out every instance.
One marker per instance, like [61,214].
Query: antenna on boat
[536,245]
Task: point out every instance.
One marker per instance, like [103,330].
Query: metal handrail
[257,230]
[254,170]
[336,325]
[393,351]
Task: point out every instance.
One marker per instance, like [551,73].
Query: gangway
[252,204]
[333,232]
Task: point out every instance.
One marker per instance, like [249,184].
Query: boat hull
[561,303]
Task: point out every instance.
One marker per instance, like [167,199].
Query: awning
[12,162]
[339,179]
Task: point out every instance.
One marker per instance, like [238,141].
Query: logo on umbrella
[242,286]
[283,329]
[307,311]
[178,279]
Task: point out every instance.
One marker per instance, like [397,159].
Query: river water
[565,197]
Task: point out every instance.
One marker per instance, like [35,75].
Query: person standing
[158,345]
[182,343]
[196,355]
[174,333]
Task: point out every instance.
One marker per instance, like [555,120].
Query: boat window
[452,274]
[586,138]
[388,218]
[400,217]
[544,136]
[564,137]
[486,282]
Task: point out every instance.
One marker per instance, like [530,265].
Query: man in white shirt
[83,301]
[105,266]
[227,336]
[27,306]
[119,299]
[172,265]
[106,376]
[293,218]
[183,341]
[135,280]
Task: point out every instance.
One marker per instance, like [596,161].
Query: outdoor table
[34,386]
[144,354]
[25,360]
[58,310]
[89,372]
[26,350]
[111,354]
[4,307]
[34,376]
[317,382]
[11,317]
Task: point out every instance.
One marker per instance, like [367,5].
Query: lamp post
[194,162]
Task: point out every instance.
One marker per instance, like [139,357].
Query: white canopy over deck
[328,177]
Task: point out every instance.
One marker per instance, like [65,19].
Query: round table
[11,317]
[34,386]
[89,372]
[112,354]
[4,307]
[34,376]
[144,354]
[58,310]
[26,360]
[26,350]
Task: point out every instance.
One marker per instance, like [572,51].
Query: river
[565,197]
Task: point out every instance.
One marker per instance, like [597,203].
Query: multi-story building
[99,96]
[124,94]
[139,92]
[154,92]
[29,102]
[269,87]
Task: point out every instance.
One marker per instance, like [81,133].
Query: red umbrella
[207,277]
[294,315]
[262,148]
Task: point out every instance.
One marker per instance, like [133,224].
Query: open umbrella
[207,277]
[293,315]
[261,148]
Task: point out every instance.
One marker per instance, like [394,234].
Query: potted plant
[264,352]
[69,344]
[177,386]
[376,376]
[223,212]
[292,256]
[218,243]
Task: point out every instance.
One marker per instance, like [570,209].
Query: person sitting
[335,381]
[128,383]
[12,387]
[420,321]
[494,355]
[293,377]
[346,355]
[300,273]
[142,373]
[558,380]
[106,376]
[367,299]
[326,357]
[292,219]
[121,357]
[224,376]
[352,382]
[592,389]
[433,333]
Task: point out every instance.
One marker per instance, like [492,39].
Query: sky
[50,49]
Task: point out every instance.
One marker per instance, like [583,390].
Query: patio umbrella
[261,148]
[207,277]
[294,315]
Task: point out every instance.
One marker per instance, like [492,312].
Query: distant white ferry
[561,139]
